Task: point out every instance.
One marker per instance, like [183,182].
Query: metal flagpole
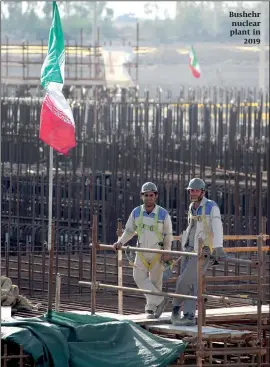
[50,200]
[1,160]
[50,235]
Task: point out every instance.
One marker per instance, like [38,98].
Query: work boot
[175,316]
[185,321]
[189,322]
[150,314]
[161,307]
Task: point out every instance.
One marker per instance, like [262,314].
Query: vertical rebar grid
[94,265]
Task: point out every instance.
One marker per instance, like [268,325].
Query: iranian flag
[194,64]
[57,127]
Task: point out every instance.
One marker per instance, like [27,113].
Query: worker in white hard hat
[153,225]
[204,221]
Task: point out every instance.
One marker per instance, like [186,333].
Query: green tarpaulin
[69,339]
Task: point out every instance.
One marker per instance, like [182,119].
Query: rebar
[94,265]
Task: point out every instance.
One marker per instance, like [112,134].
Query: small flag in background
[194,64]
[57,127]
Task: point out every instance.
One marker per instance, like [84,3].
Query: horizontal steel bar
[230,278]
[137,290]
[231,351]
[225,300]
[235,238]
[171,252]
[245,249]
[230,300]
[234,260]
[236,286]
[142,249]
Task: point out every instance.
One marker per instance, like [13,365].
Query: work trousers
[149,280]
[187,282]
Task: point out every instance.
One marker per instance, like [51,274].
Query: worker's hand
[165,257]
[117,246]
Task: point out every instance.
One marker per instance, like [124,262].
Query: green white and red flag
[194,64]
[57,127]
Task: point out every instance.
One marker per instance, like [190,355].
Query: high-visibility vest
[153,228]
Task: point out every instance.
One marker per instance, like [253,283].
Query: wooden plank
[208,332]
[216,314]
[235,312]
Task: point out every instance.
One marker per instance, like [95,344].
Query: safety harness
[202,217]
[153,228]
[168,265]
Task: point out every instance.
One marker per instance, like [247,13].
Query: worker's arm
[129,231]
[217,227]
[168,233]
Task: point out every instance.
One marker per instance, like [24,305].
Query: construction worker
[204,221]
[153,225]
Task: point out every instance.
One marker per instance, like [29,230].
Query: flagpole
[55,109]
[50,237]
[50,200]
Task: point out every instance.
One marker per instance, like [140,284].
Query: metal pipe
[236,286]
[136,290]
[222,299]
[120,270]
[231,278]
[57,292]
[50,198]
[231,351]
[264,259]
[204,303]
[227,301]
[237,261]
[200,302]
[235,238]
[50,282]
[245,249]
[260,295]
[94,265]
[142,249]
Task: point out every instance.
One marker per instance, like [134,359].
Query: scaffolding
[84,63]
[239,345]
